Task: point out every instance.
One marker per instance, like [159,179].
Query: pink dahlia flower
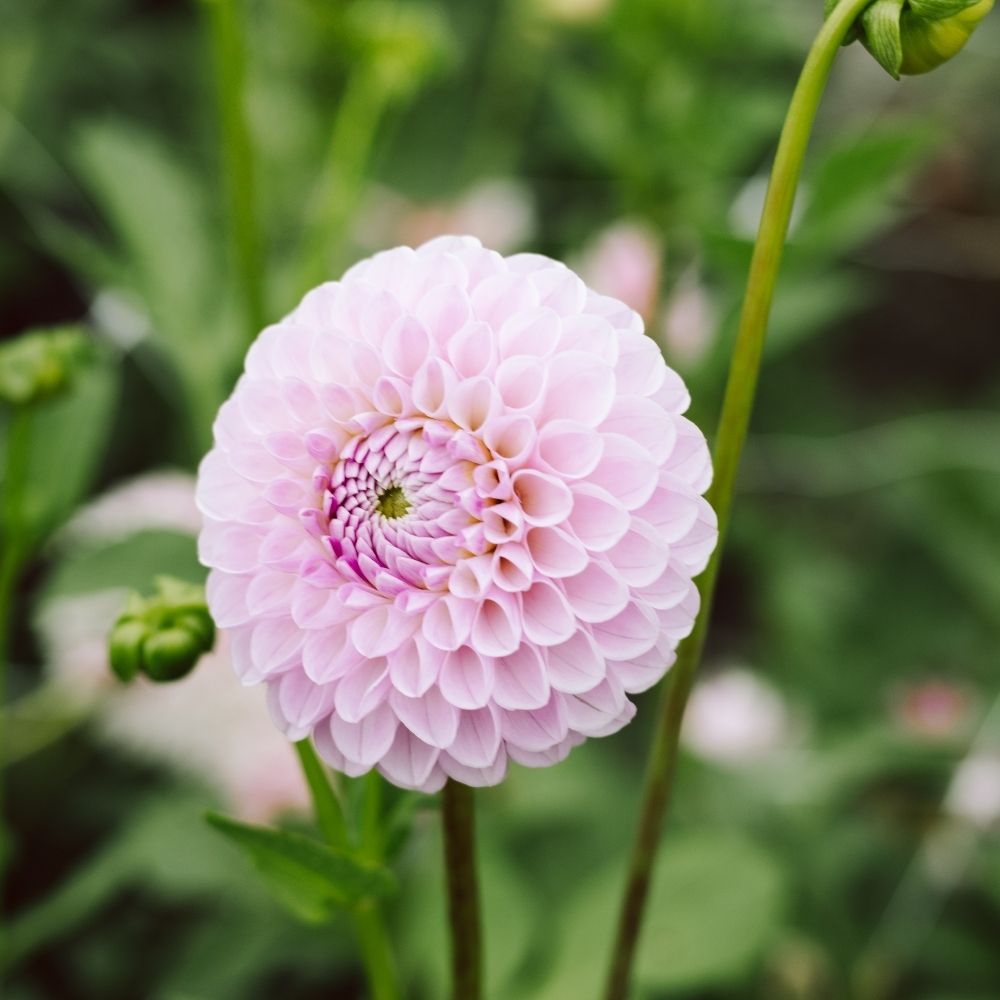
[452,515]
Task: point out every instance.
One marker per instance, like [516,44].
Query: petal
[570,449]
[631,633]
[544,498]
[597,594]
[575,665]
[477,742]
[431,717]
[538,729]
[497,628]
[521,680]
[597,518]
[548,618]
[409,762]
[362,690]
[578,387]
[466,678]
[365,742]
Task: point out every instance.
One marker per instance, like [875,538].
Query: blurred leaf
[716,903]
[311,878]
[156,210]
[849,192]
[68,434]
[128,564]
[165,845]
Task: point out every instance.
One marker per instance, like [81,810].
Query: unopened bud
[40,364]
[162,636]
[908,37]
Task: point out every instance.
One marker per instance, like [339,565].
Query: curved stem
[458,819]
[733,423]
[376,954]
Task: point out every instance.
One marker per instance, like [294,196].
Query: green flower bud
[125,648]
[929,41]
[39,365]
[162,636]
[916,36]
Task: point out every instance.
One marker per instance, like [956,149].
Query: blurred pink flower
[688,323]
[452,514]
[624,262]
[933,709]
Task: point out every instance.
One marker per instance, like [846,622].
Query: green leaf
[716,903]
[310,878]
[852,191]
[155,209]
[127,564]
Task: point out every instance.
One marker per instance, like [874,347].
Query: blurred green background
[835,829]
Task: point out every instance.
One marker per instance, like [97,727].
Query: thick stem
[236,150]
[376,954]
[458,819]
[731,435]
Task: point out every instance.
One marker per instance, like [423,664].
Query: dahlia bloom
[452,515]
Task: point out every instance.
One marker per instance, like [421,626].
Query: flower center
[392,502]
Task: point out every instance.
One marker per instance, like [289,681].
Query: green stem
[15,543]
[380,967]
[236,150]
[731,435]
[329,814]
[458,819]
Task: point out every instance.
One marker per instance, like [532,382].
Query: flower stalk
[458,820]
[730,438]
[366,916]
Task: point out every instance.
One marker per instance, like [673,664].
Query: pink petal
[478,739]
[548,618]
[362,690]
[431,717]
[409,762]
[596,594]
[597,518]
[466,678]
[521,680]
[575,665]
[544,499]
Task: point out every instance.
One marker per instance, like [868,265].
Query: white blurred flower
[689,321]
[207,725]
[733,717]
[160,500]
[974,793]
[623,261]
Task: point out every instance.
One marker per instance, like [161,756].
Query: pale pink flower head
[452,515]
